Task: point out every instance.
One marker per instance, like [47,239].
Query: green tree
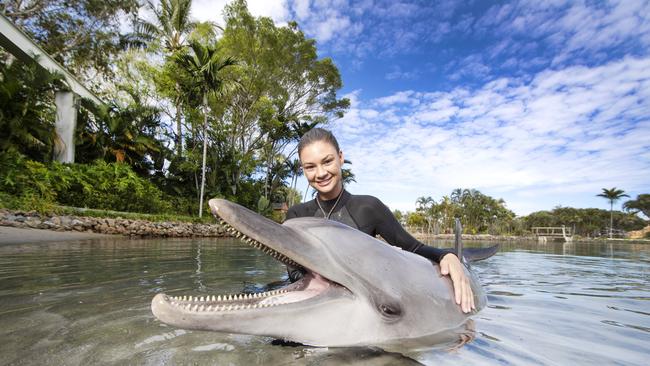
[295,168]
[83,35]
[612,195]
[123,134]
[285,87]
[27,109]
[640,204]
[205,64]
[172,27]
[347,176]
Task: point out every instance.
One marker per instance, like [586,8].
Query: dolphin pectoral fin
[478,254]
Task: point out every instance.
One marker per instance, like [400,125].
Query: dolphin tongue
[315,285]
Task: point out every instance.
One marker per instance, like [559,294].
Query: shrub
[28,184]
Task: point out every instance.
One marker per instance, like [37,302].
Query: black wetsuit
[368,214]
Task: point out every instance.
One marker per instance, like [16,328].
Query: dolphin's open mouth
[310,286]
[346,297]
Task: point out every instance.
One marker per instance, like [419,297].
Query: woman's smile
[321,163]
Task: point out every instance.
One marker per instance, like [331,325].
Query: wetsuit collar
[327,205]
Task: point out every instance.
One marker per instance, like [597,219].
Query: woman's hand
[450,265]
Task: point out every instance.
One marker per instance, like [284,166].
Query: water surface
[88,303]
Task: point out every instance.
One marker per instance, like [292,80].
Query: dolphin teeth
[219,298]
[201,299]
[213,298]
[201,308]
[229,307]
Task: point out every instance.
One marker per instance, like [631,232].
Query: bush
[24,183]
[109,186]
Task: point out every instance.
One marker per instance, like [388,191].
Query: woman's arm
[450,265]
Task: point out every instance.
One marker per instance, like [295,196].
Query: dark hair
[317,134]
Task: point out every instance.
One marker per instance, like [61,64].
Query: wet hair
[317,134]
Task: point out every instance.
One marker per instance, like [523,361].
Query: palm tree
[25,122]
[640,204]
[205,65]
[423,203]
[172,26]
[347,176]
[296,171]
[612,195]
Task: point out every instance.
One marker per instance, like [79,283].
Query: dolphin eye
[389,310]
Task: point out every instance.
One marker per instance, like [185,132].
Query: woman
[321,160]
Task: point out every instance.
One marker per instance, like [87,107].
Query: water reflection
[88,303]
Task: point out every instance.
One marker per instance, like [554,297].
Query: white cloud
[274,9]
[209,10]
[301,8]
[212,10]
[577,31]
[573,130]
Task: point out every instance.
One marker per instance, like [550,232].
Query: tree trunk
[179,130]
[611,218]
[205,151]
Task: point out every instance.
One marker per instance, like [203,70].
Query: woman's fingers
[463,294]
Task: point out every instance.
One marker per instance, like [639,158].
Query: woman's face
[322,166]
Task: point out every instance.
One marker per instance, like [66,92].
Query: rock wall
[118,226]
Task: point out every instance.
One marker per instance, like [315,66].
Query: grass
[87,212]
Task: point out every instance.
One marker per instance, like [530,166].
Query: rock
[33,222]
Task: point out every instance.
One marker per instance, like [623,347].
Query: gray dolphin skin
[357,290]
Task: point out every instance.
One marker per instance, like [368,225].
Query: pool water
[88,302]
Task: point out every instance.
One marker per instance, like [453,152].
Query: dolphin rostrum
[357,290]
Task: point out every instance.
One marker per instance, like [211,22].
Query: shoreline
[111,226]
[19,227]
[14,235]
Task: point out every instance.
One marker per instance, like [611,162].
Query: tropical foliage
[587,222]
[640,204]
[165,113]
[82,35]
[479,213]
[100,185]
[27,109]
[612,195]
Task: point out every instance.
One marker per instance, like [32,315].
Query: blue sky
[539,103]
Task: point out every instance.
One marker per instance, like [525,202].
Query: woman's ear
[341,160]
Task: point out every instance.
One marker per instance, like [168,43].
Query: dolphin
[357,290]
